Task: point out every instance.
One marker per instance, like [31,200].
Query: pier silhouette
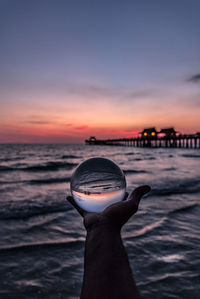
[150,137]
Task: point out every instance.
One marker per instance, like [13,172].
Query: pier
[166,138]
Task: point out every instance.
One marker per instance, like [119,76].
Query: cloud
[81,128]
[145,93]
[195,78]
[38,122]
[191,101]
[128,132]
[95,91]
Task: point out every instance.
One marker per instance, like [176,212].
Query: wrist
[99,224]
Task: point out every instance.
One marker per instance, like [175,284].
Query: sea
[42,236]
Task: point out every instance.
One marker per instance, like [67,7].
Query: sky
[71,69]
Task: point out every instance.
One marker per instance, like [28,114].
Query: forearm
[107,272]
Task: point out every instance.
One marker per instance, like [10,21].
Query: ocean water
[42,236]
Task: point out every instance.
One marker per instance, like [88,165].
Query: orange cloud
[129,133]
[81,128]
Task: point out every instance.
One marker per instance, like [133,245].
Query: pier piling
[180,141]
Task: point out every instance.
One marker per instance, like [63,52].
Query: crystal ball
[97,183]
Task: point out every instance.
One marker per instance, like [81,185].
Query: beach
[42,236]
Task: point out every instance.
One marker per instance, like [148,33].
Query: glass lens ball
[97,183]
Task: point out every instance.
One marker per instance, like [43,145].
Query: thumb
[137,194]
[132,203]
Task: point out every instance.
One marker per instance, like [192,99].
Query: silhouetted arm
[107,273]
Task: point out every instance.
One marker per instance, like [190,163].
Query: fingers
[125,196]
[120,212]
[138,193]
[74,204]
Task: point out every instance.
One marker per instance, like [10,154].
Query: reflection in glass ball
[97,183]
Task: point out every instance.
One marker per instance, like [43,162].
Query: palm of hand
[115,215]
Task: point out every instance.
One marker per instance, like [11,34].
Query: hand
[117,214]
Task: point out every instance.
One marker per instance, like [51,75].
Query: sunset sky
[70,69]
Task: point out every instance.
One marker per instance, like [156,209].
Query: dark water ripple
[26,210]
[191,155]
[184,209]
[42,237]
[132,171]
[178,186]
[38,181]
[41,245]
[49,166]
[71,157]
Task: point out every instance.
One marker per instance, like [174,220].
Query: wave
[70,157]
[39,245]
[150,227]
[38,181]
[168,278]
[49,166]
[5,168]
[49,181]
[157,224]
[150,158]
[169,169]
[130,171]
[147,229]
[185,186]
[184,209]
[27,210]
[11,159]
[190,156]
